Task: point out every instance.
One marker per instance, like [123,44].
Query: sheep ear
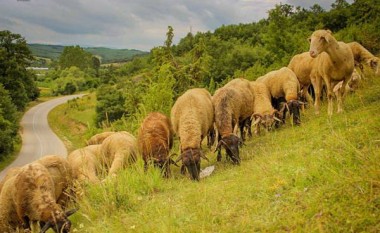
[373,63]
[47,226]
[71,212]
[309,39]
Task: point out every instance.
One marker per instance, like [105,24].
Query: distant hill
[107,55]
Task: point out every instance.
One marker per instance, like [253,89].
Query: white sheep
[284,85]
[263,112]
[31,196]
[352,84]
[334,63]
[84,162]
[361,54]
[117,151]
[192,117]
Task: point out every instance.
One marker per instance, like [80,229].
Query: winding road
[38,139]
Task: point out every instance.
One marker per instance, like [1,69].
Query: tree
[110,104]
[75,56]
[15,57]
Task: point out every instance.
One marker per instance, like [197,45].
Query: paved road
[38,139]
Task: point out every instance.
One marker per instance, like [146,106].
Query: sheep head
[191,159]
[319,41]
[266,120]
[231,145]
[59,223]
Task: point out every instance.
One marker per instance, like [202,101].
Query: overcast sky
[138,24]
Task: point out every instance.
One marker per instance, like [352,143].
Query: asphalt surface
[38,139]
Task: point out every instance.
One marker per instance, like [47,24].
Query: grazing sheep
[361,54]
[334,63]
[31,196]
[246,110]
[155,140]
[352,84]
[61,173]
[192,117]
[283,84]
[263,112]
[99,138]
[228,103]
[84,162]
[117,151]
[10,173]
[302,65]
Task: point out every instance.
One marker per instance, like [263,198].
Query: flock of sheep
[39,191]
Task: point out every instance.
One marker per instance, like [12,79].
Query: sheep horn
[256,121]
[277,119]
[46,227]
[178,159]
[71,212]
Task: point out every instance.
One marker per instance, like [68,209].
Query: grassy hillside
[108,55]
[323,176]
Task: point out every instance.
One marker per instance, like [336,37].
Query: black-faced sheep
[117,151]
[334,63]
[283,84]
[155,140]
[361,54]
[31,196]
[84,162]
[192,117]
[263,112]
[228,103]
[98,138]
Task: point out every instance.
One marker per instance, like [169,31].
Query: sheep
[243,87]
[192,117]
[352,84]
[334,63]
[263,112]
[283,84]
[228,104]
[31,196]
[117,151]
[155,140]
[98,138]
[302,65]
[10,173]
[84,162]
[361,54]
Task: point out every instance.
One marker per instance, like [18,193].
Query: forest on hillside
[205,59]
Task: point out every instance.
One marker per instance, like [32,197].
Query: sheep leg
[117,164]
[317,84]
[219,156]
[330,95]
[26,224]
[341,95]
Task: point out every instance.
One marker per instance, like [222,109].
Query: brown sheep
[334,63]
[155,140]
[117,151]
[361,54]
[192,117]
[10,173]
[84,162]
[31,196]
[98,138]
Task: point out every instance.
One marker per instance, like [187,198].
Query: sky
[131,24]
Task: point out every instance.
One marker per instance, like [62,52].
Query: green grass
[323,176]
[73,121]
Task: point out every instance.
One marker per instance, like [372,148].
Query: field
[323,176]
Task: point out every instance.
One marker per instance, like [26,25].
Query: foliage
[15,57]
[75,56]
[8,123]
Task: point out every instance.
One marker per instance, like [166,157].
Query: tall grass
[323,176]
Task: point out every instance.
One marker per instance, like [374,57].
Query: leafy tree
[110,104]
[75,56]
[15,57]
[8,123]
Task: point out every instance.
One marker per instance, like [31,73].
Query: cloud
[126,23]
